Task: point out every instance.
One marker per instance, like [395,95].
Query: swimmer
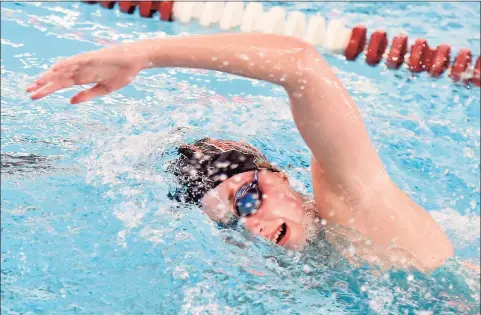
[234,183]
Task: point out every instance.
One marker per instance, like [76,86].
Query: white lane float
[273,22]
[184,11]
[253,14]
[296,24]
[232,16]
[211,13]
[336,34]
[316,30]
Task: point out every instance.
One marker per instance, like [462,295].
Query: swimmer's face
[280,217]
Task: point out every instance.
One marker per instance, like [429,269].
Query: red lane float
[376,48]
[440,60]
[107,4]
[399,48]
[166,10]
[420,55]
[476,73]
[460,64]
[356,43]
[127,6]
[148,8]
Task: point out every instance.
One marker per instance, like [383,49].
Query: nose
[264,227]
[255,225]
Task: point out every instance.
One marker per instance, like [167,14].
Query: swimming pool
[86,224]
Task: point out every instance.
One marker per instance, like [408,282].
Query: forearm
[270,58]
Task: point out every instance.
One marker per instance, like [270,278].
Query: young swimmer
[352,190]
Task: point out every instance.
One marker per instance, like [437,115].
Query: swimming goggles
[247,201]
[248,198]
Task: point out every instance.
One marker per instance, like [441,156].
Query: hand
[110,68]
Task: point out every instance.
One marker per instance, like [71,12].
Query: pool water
[87,227]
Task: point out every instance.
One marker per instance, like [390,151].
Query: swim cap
[206,163]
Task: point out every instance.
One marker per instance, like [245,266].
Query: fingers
[93,92]
[50,88]
[58,72]
[40,82]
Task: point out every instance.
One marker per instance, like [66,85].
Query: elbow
[303,61]
[443,252]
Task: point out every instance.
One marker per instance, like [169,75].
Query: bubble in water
[323,222]
[306,269]
[468,152]
[410,278]
[363,288]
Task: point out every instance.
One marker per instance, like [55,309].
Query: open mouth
[280,235]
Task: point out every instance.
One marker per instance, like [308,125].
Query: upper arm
[330,123]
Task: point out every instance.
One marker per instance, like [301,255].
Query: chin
[295,247]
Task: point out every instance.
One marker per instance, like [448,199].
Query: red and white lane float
[332,36]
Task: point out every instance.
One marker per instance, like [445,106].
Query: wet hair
[207,162]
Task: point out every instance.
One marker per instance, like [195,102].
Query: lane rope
[333,36]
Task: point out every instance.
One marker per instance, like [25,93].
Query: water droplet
[214,58]
[352,250]
[225,63]
[244,57]
[306,269]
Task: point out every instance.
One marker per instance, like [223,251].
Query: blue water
[86,224]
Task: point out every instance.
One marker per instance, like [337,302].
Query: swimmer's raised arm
[325,114]
[350,183]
